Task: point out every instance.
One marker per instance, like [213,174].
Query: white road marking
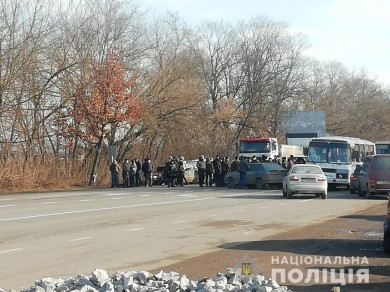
[117,194]
[43,203]
[78,239]
[85,200]
[303,201]
[135,229]
[262,207]
[144,195]
[238,211]
[117,198]
[6,206]
[189,196]
[212,215]
[11,250]
[282,204]
[167,193]
[104,209]
[237,195]
[7,200]
[177,222]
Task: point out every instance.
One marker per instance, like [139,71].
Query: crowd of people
[211,171]
[131,173]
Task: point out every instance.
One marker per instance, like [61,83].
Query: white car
[305,179]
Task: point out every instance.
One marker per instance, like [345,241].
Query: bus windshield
[332,152]
[254,147]
[383,148]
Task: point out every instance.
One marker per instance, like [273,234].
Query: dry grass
[19,175]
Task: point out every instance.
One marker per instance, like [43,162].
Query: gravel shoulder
[355,235]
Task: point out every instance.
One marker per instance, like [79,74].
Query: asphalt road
[63,234]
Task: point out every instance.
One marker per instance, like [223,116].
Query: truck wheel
[259,184]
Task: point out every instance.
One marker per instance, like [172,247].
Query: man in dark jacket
[126,174]
[243,168]
[217,171]
[147,169]
[225,168]
[138,173]
[115,168]
[234,164]
[171,171]
[209,172]
[201,165]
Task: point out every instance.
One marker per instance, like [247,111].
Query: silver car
[305,179]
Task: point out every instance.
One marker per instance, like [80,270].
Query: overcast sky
[354,32]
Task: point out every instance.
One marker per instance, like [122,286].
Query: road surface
[63,234]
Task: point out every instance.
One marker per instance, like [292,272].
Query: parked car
[354,179]
[305,179]
[158,176]
[386,232]
[374,178]
[259,175]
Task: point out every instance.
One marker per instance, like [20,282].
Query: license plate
[308,180]
[383,182]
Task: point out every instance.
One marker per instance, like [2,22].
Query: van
[374,176]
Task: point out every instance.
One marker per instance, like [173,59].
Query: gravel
[143,281]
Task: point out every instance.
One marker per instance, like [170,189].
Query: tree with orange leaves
[104,100]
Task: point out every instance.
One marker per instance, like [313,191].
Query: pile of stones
[100,281]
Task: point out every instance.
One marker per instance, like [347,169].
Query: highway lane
[63,234]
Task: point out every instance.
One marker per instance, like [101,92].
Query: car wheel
[360,191]
[324,196]
[318,195]
[284,192]
[259,184]
[289,194]
[230,183]
[369,194]
[386,242]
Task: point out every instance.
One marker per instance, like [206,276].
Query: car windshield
[323,152]
[272,166]
[255,167]
[254,147]
[382,163]
[307,169]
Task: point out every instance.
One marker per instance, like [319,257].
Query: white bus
[338,156]
[382,147]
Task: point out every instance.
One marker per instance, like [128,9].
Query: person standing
[115,169]
[209,172]
[171,170]
[147,169]
[243,168]
[133,171]
[217,171]
[180,173]
[126,174]
[138,173]
[201,165]
[234,164]
[185,168]
[225,168]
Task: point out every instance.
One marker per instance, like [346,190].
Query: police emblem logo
[246,269]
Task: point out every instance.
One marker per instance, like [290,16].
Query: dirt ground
[357,235]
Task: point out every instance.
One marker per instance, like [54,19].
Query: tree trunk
[95,162]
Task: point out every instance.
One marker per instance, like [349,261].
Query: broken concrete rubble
[143,281]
